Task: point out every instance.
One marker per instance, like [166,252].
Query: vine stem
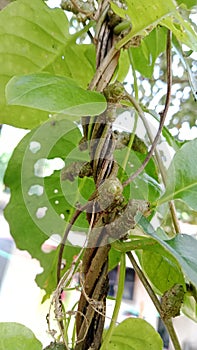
[163,114]
[169,74]
[154,141]
[101,69]
[120,291]
[63,241]
[161,168]
[135,87]
[168,322]
[150,153]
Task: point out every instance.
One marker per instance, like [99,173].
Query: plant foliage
[71,91]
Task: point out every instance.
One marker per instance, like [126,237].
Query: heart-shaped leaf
[33,43]
[16,336]
[31,200]
[149,12]
[161,267]
[145,55]
[54,94]
[184,31]
[135,334]
[182,176]
[189,307]
[183,247]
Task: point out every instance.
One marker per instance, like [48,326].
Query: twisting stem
[150,153]
[169,74]
[163,114]
[63,241]
[135,84]
[151,293]
[118,302]
[103,66]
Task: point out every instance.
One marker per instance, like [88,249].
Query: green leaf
[183,247]
[183,31]
[122,68]
[171,140]
[16,336]
[30,43]
[68,193]
[161,268]
[189,307]
[152,13]
[29,194]
[114,258]
[145,55]
[54,94]
[149,12]
[182,176]
[146,185]
[135,334]
[188,3]
[186,64]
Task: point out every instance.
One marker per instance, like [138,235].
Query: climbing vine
[69,90]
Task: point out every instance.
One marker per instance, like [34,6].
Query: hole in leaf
[56,202]
[41,212]
[63,264]
[51,244]
[77,238]
[34,146]
[36,189]
[46,167]
[56,190]
[62,216]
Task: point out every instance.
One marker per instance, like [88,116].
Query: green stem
[173,335]
[160,165]
[129,147]
[125,247]
[151,293]
[135,84]
[84,30]
[122,26]
[120,291]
